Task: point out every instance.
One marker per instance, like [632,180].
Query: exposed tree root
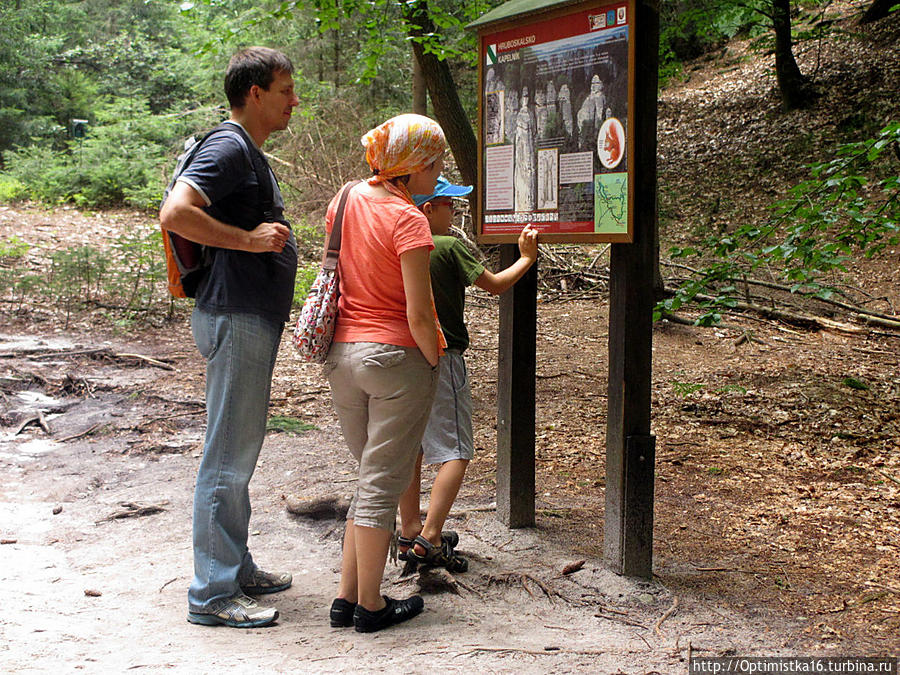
[523,579]
[135,510]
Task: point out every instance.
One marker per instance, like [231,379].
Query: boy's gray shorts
[448,435]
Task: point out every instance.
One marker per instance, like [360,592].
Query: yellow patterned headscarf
[404,144]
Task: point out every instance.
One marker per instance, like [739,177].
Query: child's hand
[528,243]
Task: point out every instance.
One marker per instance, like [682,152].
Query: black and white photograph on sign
[574,85]
[510,111]
[565,97]
[525,154]
[493,117]
[548,179]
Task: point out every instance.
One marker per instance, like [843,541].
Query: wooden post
[516,396]
[630,449]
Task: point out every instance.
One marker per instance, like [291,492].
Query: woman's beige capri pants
[382,395]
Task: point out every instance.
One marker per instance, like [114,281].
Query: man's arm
[501,281]
[183,214]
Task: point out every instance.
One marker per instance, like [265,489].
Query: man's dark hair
[254,65]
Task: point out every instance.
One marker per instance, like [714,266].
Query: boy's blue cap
[443,188]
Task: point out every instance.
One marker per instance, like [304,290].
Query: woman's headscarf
[404,144]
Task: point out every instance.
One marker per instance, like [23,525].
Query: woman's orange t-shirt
[376,231]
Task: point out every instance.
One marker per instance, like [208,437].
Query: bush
[126,279]
[122,160]
[14,248]
[850,206]
[11,189]
[306,275]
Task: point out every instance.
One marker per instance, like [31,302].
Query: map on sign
[611,203]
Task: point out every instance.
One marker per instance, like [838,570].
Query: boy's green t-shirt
[453,268]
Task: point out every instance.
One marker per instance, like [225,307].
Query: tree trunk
[448,109]
[791,82]
[336,58]
[877,10]
[419,89]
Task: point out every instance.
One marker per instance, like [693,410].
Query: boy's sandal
[448,537]
[403,546]
[437,556]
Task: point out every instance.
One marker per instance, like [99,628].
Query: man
[241,307]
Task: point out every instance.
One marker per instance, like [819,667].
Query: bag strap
[334,239]
[257,160]
[263,175]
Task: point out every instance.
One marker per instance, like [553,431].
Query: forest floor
[777,512]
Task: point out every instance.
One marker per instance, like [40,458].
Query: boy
[448,437]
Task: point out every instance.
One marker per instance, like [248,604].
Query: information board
[555,142]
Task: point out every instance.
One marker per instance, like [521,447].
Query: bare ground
[101,583]
[776,509]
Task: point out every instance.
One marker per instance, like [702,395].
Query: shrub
[849,206]
[11,189]
[306,275]
[120,161]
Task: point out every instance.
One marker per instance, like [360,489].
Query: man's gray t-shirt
[239,281]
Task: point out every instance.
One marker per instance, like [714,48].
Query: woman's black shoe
[395,611]
[342,613]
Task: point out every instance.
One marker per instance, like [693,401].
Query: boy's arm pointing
[501,281]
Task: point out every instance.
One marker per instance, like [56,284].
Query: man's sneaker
[260,583]
[238,611]
[393,613]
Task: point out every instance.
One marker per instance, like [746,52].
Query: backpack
[188,262]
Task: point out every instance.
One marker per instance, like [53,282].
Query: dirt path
[513,611]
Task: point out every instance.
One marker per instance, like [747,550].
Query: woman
[382,364]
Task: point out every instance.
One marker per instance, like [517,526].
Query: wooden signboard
[556,141]
[568,142]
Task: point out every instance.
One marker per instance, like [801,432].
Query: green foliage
[78,273]
[856,383]
[11,189]
[141,272]
[119,161]
[127,278]
[689,30]
[14,248]
[849,206]
[58,59]
[306,275]
[129,64]
[76,276]
[363,44]
[685,389]
[309,238]
[289,425]
[18,285]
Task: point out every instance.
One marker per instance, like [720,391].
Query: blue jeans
[240,352]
